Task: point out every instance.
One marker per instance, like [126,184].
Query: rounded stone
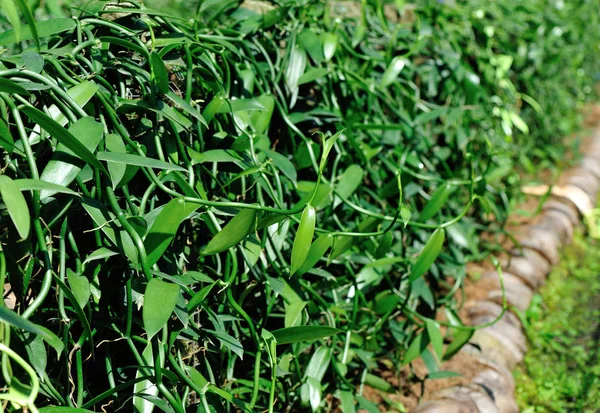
[529,266]
[482,312]
[582,179]
[559,224]
[564,207]
[518,294]
[446,406]
[543,239]
[496,348]
[471,393]
[500,383]
[591,165]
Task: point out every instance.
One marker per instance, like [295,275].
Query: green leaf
[429,116]
[293,313]
[461,338]
[44,28]
[436,202]
[378,383]
[80,93]
[415,349]
[12,14]
[240,105]
[6,140]
[229,342]
[146,387]
[100,254]
[349,181]
[8,86]
[299,334]
[15,205]
[186,107]
[327,146]
[17,321]
[60,409]
[233,233]
[160,298]
[283,164]
[165,227]
[405,214]
[39,185]
[30,21]
[115,144]
[80,286]
[393,70]
[303,239]
[64,136]
[159,73]
[261,119]
[199,297]
[65,165]
[137,160]
[432,249]
[435,337]
[316,252]
[347,400]
[330,42]
[294,70]
[312,44]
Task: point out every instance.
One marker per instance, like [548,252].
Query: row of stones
[494,351]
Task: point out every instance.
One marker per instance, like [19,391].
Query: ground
[561,372]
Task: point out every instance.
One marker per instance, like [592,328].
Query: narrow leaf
[137,160]
[16,205]
[17,321]
[299,334]
[432,249]
[160,298]
[235,231]
[303,239]
[165,227]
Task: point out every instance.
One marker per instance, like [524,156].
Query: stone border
[495,350]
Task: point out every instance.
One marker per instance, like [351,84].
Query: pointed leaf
[461,338]
[137,160]
[8,86]
[432,249]
[299,334]
[159,73]
[435,337]
[160,298]
[303,239]
[39,185]
[316,252]
[80,286]
[393,70]
[436,202]
[66,164]
[235,231]
[17,321]
[16,205]
[64,136]
[165,227]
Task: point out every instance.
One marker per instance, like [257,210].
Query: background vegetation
[243,211]
[561,370]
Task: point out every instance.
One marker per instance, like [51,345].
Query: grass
[561,372]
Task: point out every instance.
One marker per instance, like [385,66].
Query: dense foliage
[248,211]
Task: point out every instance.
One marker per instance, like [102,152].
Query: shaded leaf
[432,249]
[299,334]
[160,298]
[235,231]
[16,205]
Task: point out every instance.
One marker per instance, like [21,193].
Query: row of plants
[247,210]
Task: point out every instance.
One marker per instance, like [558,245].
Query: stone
[471,393]
[591,165]
[518,294]
[498,381]
[582,179]
[529,266]
[563,206]
[559,224]
[446,406]
[496,348]
[543,239]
